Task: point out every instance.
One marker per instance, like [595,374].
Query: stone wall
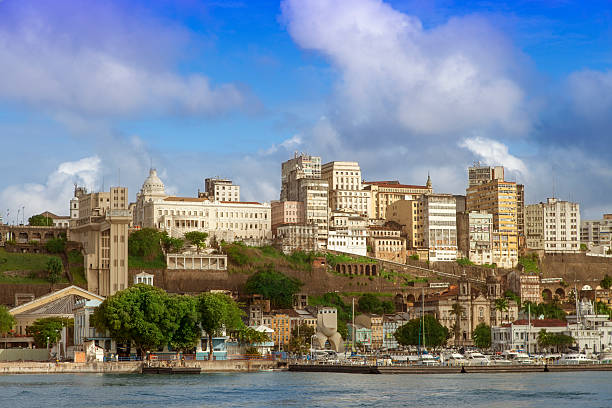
[575,266]
[8,290]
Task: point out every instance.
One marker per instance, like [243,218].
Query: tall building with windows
[302,166]
[478,174]
[345,191]
[218,189]
[440,226]
[385,193]
[553,226]
[102,229]
[499,198]
[597,232]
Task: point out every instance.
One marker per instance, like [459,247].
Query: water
[284,389]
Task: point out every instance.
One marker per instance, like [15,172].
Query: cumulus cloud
[61,64]
[494,153]
[287,144]
[54,195]
[444,80]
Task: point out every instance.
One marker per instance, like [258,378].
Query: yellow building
[499,198]
[281,324]
[409,215]
[385,193]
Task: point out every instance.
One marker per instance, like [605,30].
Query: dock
[415,369]
[171,370]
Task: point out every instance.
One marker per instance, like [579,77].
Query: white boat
[499,360]
[575,358]
[475,358]
[428,360]
[455,360]
[517,357]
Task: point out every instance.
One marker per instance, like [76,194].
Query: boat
[454,360]
[575,359]
[475,358]
[428,360]
[517,357]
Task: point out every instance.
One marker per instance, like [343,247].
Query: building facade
[301,167]
[286,212]
[386,243]
[597,232]
[218,189]
[475,236]
[385,193]
[297,237]
[440,226]
[348,233]
[345,189]
[553,226]
[478,174]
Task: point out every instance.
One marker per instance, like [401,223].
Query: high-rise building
[102,229]
[475,236]
[478,174]
[408,214]
[498,198]
[520,215]
[553,226]
[597,232]
[385,193]
[347,232]
[302,166]
[440,226]
[345,190]
[218,189]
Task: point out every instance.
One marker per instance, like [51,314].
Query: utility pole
[354,331]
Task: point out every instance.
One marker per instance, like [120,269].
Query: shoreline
[133,367]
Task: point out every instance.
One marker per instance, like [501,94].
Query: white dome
[153,184]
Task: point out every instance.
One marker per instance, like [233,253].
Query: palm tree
[458,311]
[501,305]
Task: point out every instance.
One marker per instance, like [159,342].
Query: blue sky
[93,92]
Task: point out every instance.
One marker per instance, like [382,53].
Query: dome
[153,184]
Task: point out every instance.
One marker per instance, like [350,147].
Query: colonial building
[526,286]
[347,233]
[386,243]
[225,220]
[553,226]
[296,237]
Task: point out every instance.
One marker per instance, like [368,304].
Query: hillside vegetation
[23,268]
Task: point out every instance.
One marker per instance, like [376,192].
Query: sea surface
[285,389]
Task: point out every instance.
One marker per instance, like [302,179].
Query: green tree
[555,340]
[183,310]
[273,285]
[482,336]
[7,321]
[606,282]
[48,329]
[218,312]
[139,314]
[548,310]
[513,296]
[369,303]
[388,307]
[40,221]
[410,333]
[170,244]
[501,304]
[458,311]
[144,243]
[54,269]
[300,339]
[248,335]
[197,238]
[56,245]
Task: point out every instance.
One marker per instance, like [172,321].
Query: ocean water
[285,389]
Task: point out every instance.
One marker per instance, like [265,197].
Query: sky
[96,93]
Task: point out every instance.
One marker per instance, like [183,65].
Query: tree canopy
[300,339]
[48,329]
[197,238]
[217,312]
[54,269]
[7,321]
[482,336]
[410,333]
[184,311]
[370,303]
[170,244]
[40,221]
[142,314]
[548,310]
[273,285]
[554,339]
[144,243]
[606,282]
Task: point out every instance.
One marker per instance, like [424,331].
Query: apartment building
[218,189]
[475,236]
[386,243]
[498,198]
[286,212]
[553,226]
[478,174]
[347,232]
[302,166]
[439,226]
[345,188]
[597,232]
[385,193]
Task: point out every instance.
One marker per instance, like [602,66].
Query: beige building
[225,220]
[498,198]
[387,243]
[553,226]
[314,196]
[475,236]
[296,237]
[286,212]
[478,174]
[597,232]
[102,229]
[302,166]
[408,214]
[345,189]
[526,286]
[385,193]
[218,189]
[59,221]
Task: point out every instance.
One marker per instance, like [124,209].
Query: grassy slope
[22,262]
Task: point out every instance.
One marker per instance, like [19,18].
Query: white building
[345,188]
[230,221]
[218,189]
[553,226]
[348,233]
[475,236]
[440,226]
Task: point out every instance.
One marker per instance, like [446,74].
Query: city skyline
[233,89]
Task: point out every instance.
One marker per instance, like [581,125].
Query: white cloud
[445,80]
[494,153]
[287,144]
[54,195]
